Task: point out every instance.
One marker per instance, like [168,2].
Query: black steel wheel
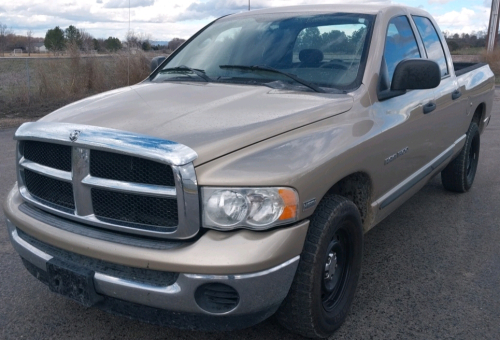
[338,262]
[458,176]
[328,272]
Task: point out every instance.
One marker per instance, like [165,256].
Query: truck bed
[462,68]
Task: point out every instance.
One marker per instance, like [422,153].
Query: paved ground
[431,271]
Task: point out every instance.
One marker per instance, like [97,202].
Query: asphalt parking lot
[431,270]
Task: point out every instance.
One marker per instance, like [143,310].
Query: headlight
[250,208]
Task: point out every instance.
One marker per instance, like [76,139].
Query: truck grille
[146,211]
[57,194]
[129,169]
[132,209]
[52,155]
[111,179]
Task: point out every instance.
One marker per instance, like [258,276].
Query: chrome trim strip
[243,276]
[26,250]
[104,282]
[420,174]
[188,202]
[80,165]
[136,188]
[156,149]
[45,170]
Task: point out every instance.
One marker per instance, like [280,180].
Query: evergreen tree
[54,39]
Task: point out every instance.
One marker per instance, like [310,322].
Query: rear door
[450,109]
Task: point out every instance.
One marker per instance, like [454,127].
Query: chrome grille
[152,212]
[129,169]
[116,180]
[53,155]
[52,192]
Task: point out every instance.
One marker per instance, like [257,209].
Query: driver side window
[400,44]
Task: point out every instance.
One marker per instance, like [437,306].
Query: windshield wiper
[199,73]
[270,69]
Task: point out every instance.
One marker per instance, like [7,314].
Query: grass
[32,87]
[469,51]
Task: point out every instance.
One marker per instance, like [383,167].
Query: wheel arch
[478,116]
[356,187]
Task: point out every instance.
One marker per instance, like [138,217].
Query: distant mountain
[159,42]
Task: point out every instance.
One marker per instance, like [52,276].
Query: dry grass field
[33,87]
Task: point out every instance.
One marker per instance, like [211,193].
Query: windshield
[325,50]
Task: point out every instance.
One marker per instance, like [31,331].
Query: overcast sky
[167,19]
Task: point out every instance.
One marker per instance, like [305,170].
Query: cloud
[466,21]
[440,2]
[125,3]
[99,1]
[212,8]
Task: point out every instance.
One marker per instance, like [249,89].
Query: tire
[459,175]
[319,299]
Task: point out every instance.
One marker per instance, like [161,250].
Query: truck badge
[73,136]
[396,155]
[309,204]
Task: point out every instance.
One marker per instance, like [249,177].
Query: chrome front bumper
[257,291]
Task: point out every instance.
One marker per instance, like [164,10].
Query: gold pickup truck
[237,180]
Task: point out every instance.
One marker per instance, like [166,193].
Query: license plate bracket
[73,281]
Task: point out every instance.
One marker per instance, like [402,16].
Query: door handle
[429,107]
[456,94]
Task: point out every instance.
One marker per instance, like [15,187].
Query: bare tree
[86,40]
[136,40]
[29,34]
[4,36]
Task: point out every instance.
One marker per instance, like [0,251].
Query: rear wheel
[328,272]
[459,175]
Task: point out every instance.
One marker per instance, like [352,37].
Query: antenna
[128,46]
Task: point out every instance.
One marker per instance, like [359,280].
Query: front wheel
[328,272]
[459,175]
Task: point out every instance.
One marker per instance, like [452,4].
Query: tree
[175,43]
[54,39]
[309,38]
[86,42]
[453,46]
[113,44]
[146,46]
[73,36]
[4,37]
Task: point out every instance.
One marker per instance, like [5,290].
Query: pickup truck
[238,179]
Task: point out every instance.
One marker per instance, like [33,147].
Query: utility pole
[493,26]
[249,5]
[29,34]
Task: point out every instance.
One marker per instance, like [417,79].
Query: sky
[167,19]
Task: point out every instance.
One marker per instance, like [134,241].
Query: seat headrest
[311,56]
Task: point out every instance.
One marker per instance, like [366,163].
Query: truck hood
[212,119]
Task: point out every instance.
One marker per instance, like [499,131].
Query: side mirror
[156,61]
[416,74]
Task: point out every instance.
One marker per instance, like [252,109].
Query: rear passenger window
[432,43]
[400,44]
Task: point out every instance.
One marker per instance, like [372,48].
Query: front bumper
[260,293]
